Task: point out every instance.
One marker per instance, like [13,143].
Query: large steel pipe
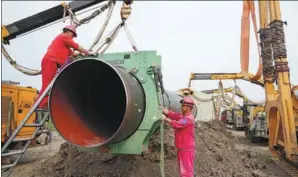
[93,103]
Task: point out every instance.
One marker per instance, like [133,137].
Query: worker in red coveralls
[57,55]
[184,125]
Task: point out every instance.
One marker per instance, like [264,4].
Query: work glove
[164,111]
[91,53]
[164,118]
[75,54]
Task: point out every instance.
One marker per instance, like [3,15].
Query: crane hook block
[128,2]
[125,11]
[65,4]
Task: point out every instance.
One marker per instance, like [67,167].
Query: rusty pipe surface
[93,103]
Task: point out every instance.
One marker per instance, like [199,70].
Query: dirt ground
[33,157]
[219,153]
[259,152]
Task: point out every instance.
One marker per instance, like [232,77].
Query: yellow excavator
[281,105]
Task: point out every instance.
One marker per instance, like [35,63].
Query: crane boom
[53,14]
[223,76]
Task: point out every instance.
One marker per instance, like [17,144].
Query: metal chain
[96,13]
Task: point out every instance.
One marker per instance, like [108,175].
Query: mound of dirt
[215,156]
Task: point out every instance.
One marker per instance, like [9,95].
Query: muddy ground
[219,153]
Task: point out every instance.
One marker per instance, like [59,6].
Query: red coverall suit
[57,54]
[184,141]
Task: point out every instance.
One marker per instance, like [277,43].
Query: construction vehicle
[16,103]
[233,115]
[225,116]
[255,131]
[136,118]
[281,101]
[248,111]
[237,119]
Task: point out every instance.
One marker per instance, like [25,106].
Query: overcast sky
[190,37]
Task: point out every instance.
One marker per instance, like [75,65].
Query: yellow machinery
[226,116]
[237,116]
[281,104]
[255,122]
[223,76]
[15,131]
[233,115]
[16,102]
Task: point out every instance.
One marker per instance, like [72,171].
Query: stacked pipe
[94,103]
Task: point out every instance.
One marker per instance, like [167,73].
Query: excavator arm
[43,18]
[224,76]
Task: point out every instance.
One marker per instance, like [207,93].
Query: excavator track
[287,166]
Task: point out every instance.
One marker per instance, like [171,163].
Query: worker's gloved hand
[164,118]
[165,111]
[91,53]
[75,54]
